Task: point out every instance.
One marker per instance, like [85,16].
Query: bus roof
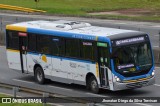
[70,27]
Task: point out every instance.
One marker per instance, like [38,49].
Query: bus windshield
[132,58]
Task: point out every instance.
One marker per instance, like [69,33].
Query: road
[152,29]
[13,77]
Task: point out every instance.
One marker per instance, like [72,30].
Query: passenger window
[32,42]
[55,45]
[43,44]
[13,40]
[87,50]
[72,48]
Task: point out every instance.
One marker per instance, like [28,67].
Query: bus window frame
[62,52]
[35,43]
[7,39]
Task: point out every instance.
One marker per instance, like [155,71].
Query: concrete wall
[156,52]
[2,38]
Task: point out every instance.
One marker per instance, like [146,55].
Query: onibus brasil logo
[21,100]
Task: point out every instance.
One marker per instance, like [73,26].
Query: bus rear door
[23,51]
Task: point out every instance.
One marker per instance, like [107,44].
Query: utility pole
[36,3]
[159,39]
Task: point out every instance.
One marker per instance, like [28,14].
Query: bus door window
[23,52]
[103,57]
[23,44]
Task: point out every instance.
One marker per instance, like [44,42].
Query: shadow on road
[80,88]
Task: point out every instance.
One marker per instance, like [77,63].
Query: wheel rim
[93,84]
[39,75]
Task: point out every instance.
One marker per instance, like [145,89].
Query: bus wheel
[93,85]
[39,75]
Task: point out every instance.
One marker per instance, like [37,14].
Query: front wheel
[39,75]
[93,85]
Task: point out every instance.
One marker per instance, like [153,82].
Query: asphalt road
[152,29]
[13,77]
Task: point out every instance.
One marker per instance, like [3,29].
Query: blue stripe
[114,72]
[61,34]
[63,58]
[68,34]
[150,72]
[103,39]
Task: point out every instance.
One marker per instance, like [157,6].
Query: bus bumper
[133,85]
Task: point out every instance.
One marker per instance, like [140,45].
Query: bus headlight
[117,79]
[153,73]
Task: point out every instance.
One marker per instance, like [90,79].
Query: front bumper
[133,85]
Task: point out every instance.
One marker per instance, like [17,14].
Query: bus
[78,53]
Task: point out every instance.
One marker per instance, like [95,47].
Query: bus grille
[137,84]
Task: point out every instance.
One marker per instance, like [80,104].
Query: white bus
[79,53]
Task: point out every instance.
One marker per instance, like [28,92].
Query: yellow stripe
[16,28]
[142,79]
[96,38]
[19,8]
[11,50]
[130,81]
[97,70]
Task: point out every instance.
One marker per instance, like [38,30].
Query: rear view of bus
[132,61]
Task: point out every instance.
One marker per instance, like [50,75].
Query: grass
[19,104]
[3,95]
[83,7]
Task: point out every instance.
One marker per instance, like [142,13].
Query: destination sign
[22,34]
[125,66]
[128,41]
[101,44]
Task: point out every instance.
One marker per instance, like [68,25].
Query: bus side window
[32,42]
[72,48]
[87,50]
[55,45]
[43,44]
[12,40]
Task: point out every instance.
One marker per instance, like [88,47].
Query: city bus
[78,53]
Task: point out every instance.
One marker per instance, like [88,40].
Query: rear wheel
[39,75]
[93,85]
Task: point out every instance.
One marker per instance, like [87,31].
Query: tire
[39,75]
[93,85]
[87,85]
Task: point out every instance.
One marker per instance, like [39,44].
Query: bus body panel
[42,60]
[72,70]
[77,70]
[13,57]
[57,68]
[110,80]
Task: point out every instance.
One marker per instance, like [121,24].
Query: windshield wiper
[145,65]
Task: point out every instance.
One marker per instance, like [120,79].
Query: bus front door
[103,61]
[23,53]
